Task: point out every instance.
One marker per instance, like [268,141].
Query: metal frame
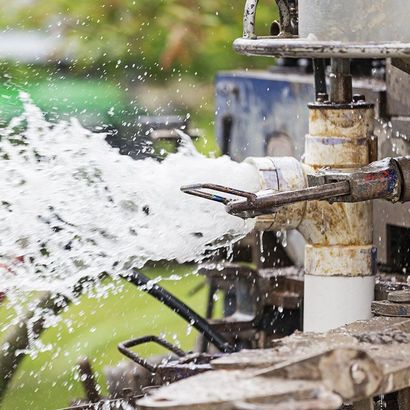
[307,48]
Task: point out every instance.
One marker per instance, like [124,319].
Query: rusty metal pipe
[340,258]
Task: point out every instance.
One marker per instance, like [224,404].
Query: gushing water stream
[71,206]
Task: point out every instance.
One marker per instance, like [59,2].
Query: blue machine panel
[253,108]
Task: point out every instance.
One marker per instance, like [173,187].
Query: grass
[93,327]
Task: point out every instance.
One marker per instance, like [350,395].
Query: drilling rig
[328,133]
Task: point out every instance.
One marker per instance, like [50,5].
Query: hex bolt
[359,98]
[322,97]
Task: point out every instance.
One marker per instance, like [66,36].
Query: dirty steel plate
[302,47]
[286,376]
[219,390]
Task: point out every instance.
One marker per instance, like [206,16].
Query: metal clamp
[378,180]
[186,365]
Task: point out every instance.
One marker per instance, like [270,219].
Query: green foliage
[159,35]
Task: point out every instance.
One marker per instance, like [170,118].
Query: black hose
[199,323]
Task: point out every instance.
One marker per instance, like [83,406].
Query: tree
[150,34]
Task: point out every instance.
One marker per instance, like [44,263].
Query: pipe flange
[328,105]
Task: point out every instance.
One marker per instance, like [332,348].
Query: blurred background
[106,62]
[110,63]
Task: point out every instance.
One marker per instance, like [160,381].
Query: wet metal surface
[354,361]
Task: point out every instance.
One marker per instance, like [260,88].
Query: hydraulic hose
[181,309]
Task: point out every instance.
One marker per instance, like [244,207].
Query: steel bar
[276,200]
[341,89]
[319,70]
[303,47]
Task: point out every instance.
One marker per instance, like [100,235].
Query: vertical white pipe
[333,301]
[339,256]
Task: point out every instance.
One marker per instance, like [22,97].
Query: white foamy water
[71,206]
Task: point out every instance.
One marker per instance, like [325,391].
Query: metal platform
[304,371]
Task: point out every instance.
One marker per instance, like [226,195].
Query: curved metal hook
[287,14]
[249,19]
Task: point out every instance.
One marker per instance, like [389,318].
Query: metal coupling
[387,179]
[378,180]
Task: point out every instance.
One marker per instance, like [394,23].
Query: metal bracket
[124,349]
[173,370]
